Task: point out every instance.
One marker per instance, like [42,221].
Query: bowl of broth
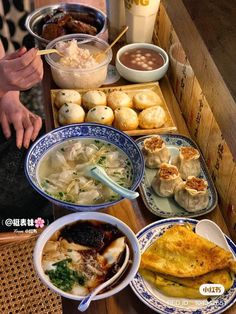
[80,251]
[142,62]
[56,165]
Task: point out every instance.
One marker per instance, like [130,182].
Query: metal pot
[35,20]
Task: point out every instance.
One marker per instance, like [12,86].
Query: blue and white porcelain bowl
[77,131]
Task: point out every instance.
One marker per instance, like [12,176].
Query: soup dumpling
[66,96]
[192,194]
[188,162]
[166,180]
[155,152]
[71,113]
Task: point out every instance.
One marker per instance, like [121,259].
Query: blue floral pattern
[154,203]
[83,130]
[146,237]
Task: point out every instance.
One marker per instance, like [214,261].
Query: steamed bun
[94,98]
[66,96]
[100,114]
[71,113]
[152,118]
[126,119]
[146,99]
[118,99]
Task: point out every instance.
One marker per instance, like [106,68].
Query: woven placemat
[21,291]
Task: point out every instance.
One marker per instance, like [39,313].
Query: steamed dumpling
[155,152]
[188,162]
[65,96]
[192,194]
[71,113]
[152,118]
[166,180]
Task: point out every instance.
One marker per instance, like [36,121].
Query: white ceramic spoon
[99,174]
[210,231]
[84,304]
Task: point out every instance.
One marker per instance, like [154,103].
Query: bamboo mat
[20,290]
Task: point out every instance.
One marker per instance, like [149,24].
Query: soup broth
[62,172]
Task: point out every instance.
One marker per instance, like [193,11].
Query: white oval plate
[164,304]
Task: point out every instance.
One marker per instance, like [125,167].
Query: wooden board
[131,90]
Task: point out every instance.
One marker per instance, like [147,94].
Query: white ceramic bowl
[68,219]
[138,76]
[72,77]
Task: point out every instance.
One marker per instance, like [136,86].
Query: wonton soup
[61,173]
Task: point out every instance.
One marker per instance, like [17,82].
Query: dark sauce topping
[93,234]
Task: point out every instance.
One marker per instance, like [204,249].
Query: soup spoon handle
[98,173]
[84,304]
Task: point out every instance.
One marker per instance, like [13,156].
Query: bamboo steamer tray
[131,90]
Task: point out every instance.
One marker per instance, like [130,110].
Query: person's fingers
[28,131]
[34,71]
[37,124]
[15,54]
[5,126]
[29,81]
[18,126]
[24,60]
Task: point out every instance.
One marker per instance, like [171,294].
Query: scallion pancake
[187,287]
[180,252]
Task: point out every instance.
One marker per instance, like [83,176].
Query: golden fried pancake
[187,287]
[182,253]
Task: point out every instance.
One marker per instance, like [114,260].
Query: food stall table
[133,213]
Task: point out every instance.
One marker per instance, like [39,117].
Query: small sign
[210,289]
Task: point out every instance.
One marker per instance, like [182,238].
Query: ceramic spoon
[84,304]
[98,173]
[210,231]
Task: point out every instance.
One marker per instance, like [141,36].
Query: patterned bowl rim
[72,206]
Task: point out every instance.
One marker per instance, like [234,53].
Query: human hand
[20,70]
[26,124]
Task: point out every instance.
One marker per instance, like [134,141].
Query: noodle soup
[62,172]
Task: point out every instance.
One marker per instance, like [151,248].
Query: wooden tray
[131,90]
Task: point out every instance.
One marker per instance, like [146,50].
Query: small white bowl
[138,76]
[72,218]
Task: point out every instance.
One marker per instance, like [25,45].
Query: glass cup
[140,17]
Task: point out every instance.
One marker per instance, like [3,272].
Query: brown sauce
[142,59]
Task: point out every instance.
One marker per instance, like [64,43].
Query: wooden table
[133,213]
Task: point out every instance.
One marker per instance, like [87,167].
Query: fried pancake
[187,287]
[182,253]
